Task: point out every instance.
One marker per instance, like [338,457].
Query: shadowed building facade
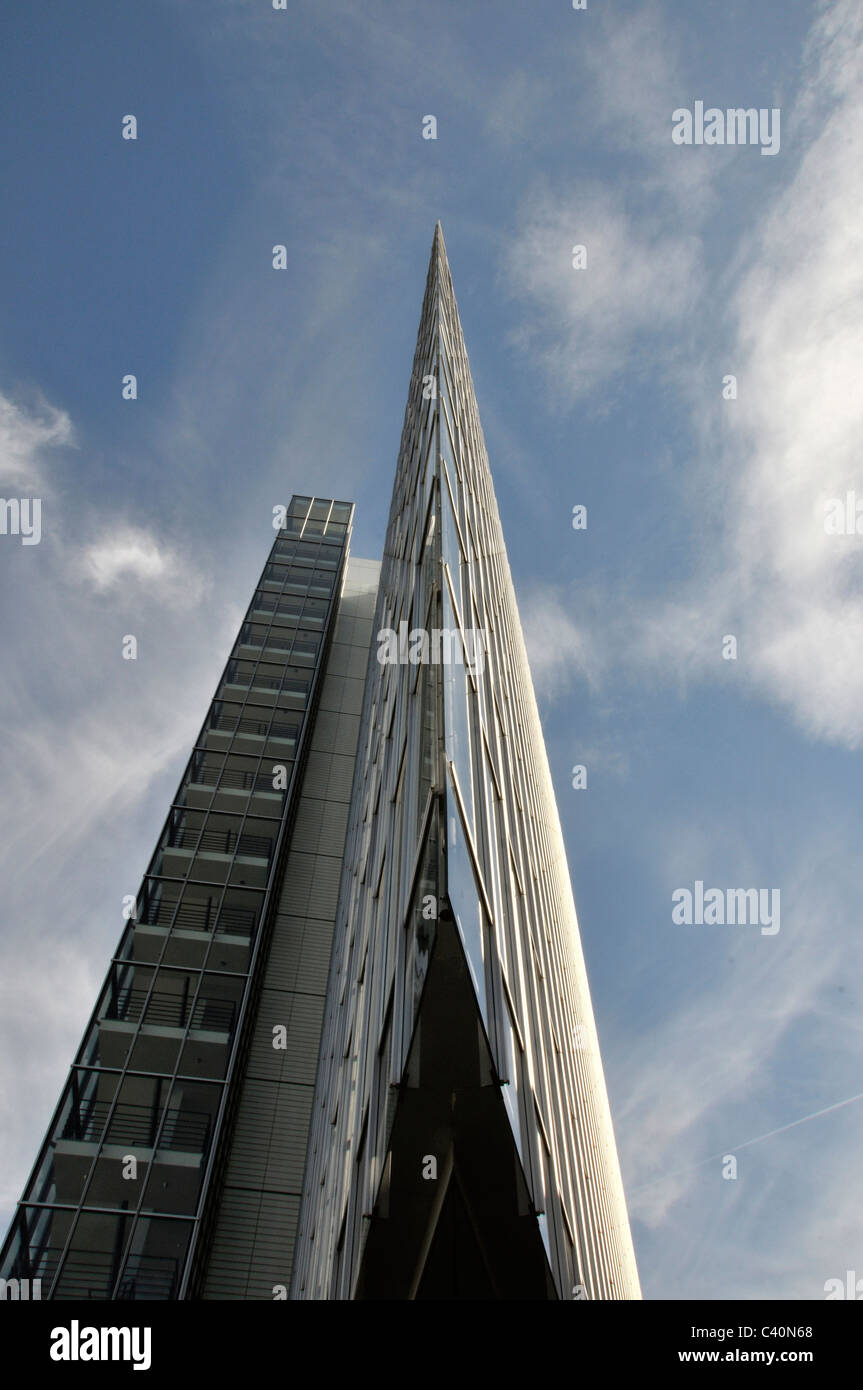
[347,1037]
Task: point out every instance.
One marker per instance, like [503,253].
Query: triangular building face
[461,1143]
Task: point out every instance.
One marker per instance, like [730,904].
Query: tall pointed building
[345,1048]
[462,1145]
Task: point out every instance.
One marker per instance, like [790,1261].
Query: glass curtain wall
[113,1205]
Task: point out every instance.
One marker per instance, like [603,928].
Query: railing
[313,557]
[291,609]
[221,842]
[91,1276]
[184,1131]
[250,680]
[281,571]
[231,723]
[172,1010]
[299,652]
[151,1278]
[228,777]
[272,603]
[192,916]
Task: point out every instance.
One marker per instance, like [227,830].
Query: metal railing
[171,1010]
[184,1131]
[151,1278]
[193,916]
[289,608]
[250,680]
[90,1275]
[231,723]
[229,777]
[299,651]
[220,842]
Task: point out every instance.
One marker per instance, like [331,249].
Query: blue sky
[600,386]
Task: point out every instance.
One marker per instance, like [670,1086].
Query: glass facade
[116,1206]
[454,822]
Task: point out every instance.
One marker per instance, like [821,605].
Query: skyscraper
[345,1048]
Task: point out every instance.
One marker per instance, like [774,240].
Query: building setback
[345,1049]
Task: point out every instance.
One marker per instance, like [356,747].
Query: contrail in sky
[747,1143]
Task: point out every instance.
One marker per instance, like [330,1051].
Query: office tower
[462,1144]
[348,1036]
[134,1181]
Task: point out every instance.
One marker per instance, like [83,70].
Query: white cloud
[791,441]
[798,422]
[770,460]
[24,434]
[584,325]
[558,649]
[756,1042]
[93,750]
[46,991]
[125,555]
[636,83]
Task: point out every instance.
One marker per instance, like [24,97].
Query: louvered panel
[297,884]
[335,733]
[269,1149]
[253,1250]
[329,777]
[301,1015]
[311,885]
[256,1226]
[320,828]
[343,694]
[300,955]
[347,661]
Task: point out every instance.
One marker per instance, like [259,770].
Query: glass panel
[160,1007]
[510,1065]
[65,1164]
[91,1265]
[212,1025]
[450,547]
[456,729]
[38,1238]
[154,1264]
[421,928]
[180,1158]
[426,698]
[465,902]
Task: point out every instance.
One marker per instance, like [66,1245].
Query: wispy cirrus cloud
[765,464]
[560,649]
[585,325]
[723,1056]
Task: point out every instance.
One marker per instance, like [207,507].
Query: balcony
[192,916]
[255,728]
[228,778]
[166,1010]
[184,1131]
[92,1276]
[226,841]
